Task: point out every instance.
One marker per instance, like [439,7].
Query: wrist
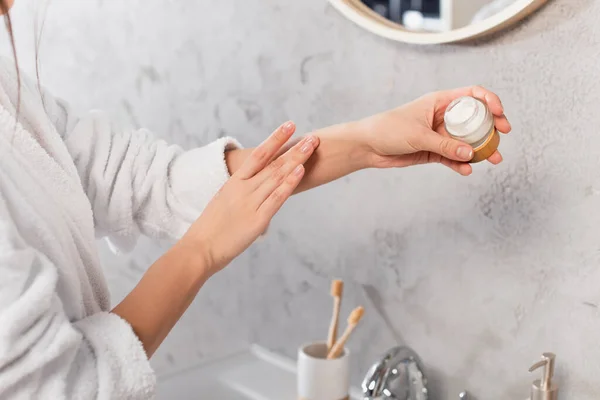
[352,139]
[366,131]
[196,255]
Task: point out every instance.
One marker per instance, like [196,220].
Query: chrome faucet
[399,375]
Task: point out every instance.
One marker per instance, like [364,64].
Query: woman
[65,178]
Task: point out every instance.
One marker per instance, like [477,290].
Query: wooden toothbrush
[337,288]
[353,321]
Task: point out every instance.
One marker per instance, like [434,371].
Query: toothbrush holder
[322,379]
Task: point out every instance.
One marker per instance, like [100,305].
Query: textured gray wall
[480,275]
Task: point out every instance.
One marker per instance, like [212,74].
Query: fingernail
[464,153]
[288,126]
[298,170]
[307,144]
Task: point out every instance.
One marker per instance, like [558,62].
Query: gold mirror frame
[363,16]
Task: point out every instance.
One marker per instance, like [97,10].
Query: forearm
[163,294]
[341,152]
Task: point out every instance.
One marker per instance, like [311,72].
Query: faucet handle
[544,389]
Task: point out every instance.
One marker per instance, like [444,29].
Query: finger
[262,154]
[490,98]
[495,158]
[462,168]
[275,200]
[495,106]
[502,124]
[276,172]
[444,146]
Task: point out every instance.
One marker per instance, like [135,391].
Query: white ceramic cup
[322,379]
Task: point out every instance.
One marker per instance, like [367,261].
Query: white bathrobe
[65,180]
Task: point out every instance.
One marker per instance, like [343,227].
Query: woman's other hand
[415,133]
[243,208]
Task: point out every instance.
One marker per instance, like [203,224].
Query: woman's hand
[243,208]
[415,133]
[234,218]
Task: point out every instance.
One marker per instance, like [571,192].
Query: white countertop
[256,374]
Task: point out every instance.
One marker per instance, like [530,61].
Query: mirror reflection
[436,15]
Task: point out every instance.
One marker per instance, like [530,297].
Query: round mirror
[435,21]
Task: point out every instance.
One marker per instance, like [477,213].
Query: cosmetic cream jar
[469,120]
